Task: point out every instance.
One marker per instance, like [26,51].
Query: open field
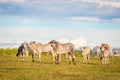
[12,68]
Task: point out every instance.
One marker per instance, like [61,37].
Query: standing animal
[116,51]
[96,51]
[85,53]
[36,48]
[22,49]
[66,48]
[105,49]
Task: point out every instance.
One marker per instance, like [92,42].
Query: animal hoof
[69,63]
[74,63]
[33,60]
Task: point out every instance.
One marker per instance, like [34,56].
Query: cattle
[116,51]
[96,51]
[37,48]
[66,48]
[22,49]
[85,53]
[105,49]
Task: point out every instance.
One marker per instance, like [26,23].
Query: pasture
[12,68]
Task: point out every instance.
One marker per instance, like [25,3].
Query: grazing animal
[96,51]
[85,53]
[116,51]
[34,48]
[67,48]
[22,49]
[37,48]
[105,49]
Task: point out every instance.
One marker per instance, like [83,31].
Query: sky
[83,22]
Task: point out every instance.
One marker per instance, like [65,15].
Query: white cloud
[116,20]
[3,1]
[5,40]
[93,19]
[115,3]
[85,19]
[25,2]
[63,40]
[11,43]
[78,42]
[103,3]
[92,35]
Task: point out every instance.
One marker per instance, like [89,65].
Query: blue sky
[97,21]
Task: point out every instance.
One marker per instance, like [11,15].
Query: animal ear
[106,48]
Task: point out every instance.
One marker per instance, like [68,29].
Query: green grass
[12,68]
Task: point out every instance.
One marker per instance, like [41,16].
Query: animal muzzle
[18,54]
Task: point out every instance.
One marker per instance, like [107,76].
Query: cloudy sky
[93,21]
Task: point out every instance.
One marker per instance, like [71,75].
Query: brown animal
[105,49]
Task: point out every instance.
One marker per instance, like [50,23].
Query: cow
[34,48]
[66,48]
[37,48]
[85,53]
[105,49]
[116,51]
[96,51]
[22,49]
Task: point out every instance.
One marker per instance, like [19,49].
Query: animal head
[104,47]
[53,44]
[25,45]
[21,48]
[82,49]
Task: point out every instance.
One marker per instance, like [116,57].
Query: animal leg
[103,60]
[39,57]
[57,58]
[73,58]
[22,57]
[33,57]
[83,58]
[26,56]
[70,59]
[86,58]
[53,57]
[66,55]
[107,61]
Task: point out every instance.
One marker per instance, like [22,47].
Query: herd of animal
[57,48]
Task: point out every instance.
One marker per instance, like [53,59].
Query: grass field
[12,68]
